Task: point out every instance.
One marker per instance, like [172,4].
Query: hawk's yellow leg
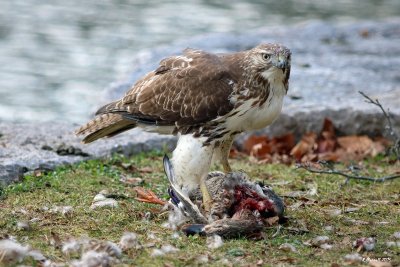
[223,158]
[207,200]
[225,164]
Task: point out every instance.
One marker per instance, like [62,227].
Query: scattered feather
[12,252]
[71,247]
[107,247]
[153,236]
[94,259]
[202,259]
[393,244]
[165,249]
[169,249]
[157,253]
[64,210]
[108,202]
[396,235]
[175,235]
[334,212]
[37,255]
[214,242]
[364,244]
[129,240]
[353,258]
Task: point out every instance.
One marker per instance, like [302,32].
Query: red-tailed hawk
[206,99]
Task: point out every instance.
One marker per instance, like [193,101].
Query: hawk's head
[270,60]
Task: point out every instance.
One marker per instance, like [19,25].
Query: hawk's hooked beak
[280,62]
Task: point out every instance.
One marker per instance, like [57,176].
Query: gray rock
[330,64]
[26,146]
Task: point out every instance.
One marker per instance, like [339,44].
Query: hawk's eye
[266,56]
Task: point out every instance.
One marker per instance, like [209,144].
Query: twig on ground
[325,170]
[395,149]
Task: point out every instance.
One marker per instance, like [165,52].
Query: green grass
[378,214]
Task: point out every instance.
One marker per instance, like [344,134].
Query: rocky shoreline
[330,64]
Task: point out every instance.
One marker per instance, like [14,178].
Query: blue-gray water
[56,56]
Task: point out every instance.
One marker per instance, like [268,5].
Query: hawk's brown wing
[183,91]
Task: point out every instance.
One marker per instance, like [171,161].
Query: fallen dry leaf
[148,196]
[306,146]
[312,147]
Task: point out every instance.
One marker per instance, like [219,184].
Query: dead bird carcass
[239,206]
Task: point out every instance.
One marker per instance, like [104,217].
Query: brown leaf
[148,196]
[261,150]
[328,127]
[253,140]
[327,137]
[305,146]
[358,147]
[282,144]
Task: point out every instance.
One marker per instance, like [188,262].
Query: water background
[57,56]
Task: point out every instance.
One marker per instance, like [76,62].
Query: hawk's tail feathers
[105,125]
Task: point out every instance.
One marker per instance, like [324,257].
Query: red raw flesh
[246,198]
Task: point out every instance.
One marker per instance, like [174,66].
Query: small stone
[129,240]
[326,246]
[319,240]
[98,197]
[288,247]
[108,202]
[23,225]
[328,228]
